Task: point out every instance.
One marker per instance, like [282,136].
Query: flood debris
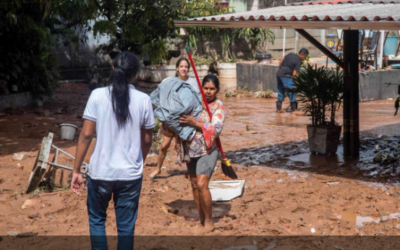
[22,235]
[20,156]
[379,158]
[33,216]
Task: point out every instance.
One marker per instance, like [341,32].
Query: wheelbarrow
[39,169]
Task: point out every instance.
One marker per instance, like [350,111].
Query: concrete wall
[373,87]
[261,77]
[258,77]
[16,100]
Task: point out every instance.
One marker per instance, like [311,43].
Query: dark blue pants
[126,201]
[283,84]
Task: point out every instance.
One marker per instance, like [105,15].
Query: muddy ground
[287,191]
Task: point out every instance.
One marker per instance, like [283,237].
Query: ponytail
[126,66]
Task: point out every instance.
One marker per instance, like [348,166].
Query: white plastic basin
[226,190]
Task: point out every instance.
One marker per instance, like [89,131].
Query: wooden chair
[372,49]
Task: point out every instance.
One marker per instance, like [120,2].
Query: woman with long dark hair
[182,70]
[122,119]
[203,150]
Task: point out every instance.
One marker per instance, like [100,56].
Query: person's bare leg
[205,201]
[161,155]
[193,182]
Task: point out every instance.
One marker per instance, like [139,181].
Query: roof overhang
[336,14]
[350,25]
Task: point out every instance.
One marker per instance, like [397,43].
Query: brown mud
[287,190]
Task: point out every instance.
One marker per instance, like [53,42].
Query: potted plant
[157,52]
[258,39]
[203,64]
[321,92]
[227,68]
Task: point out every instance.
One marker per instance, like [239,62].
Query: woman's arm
[85,138]
[211,130]
[146,140]
[191,121]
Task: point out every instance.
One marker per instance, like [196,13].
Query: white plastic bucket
[227,76]
[68,131]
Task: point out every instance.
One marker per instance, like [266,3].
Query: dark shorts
[203,165]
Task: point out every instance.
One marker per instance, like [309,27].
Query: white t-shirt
[118,154]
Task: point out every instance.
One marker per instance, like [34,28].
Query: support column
[351,126]
[379,64]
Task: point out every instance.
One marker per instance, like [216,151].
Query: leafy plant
[231,94]
[29,31]
[258,38]
[397,102]
[320,89]
[306,61]
[131,24]
[197,8]
[202,60]
[157,50]
[226,40]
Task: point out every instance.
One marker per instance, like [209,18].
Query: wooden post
[351,126]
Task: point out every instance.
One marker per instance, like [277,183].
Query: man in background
[288,68]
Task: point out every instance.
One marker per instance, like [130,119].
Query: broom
[225,164]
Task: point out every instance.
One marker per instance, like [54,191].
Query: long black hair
[126,66]
[179,62]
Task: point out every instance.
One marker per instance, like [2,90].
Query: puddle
[296,156]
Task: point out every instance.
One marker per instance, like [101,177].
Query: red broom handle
[203,96]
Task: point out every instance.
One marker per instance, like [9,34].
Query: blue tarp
[174,97]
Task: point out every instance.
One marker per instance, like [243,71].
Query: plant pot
[183,32]
[202,71]
[142,75]
[68,131]
[323,139]
[159,73]
[227,76]
[174,53]
[264,58]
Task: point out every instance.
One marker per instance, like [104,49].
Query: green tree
[199,8]
[131,24]
[29,30]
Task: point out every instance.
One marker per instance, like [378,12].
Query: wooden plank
[40,166]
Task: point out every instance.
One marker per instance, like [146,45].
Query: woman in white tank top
[182,70]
